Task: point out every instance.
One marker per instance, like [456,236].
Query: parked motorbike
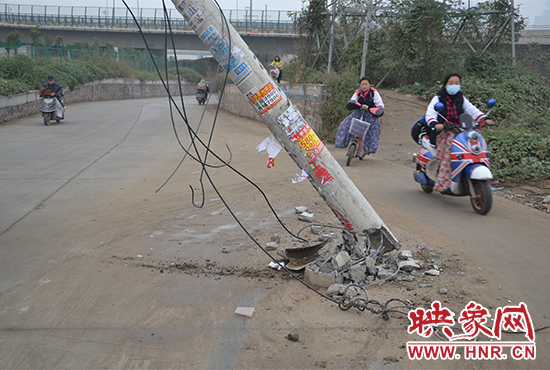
[469,161]
[201,96]
[52,109]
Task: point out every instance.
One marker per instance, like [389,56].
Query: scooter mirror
[439,107]
[491,103]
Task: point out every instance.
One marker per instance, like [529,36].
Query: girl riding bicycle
[367,96]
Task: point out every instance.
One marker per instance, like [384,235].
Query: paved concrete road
[88,249]
[87,272]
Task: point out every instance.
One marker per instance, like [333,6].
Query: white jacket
[469,108]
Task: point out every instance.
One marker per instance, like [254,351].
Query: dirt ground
[327,336]
[367,340]
[138,279]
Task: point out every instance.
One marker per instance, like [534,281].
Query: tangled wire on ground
[362,304]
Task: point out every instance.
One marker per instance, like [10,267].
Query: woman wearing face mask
[455,104]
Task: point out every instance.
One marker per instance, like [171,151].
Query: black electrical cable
[344,301]
[167,23]
[362,304]
[215,119]
[193,134]
[183,114]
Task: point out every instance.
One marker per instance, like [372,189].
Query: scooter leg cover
[372,138]
[58,109]
[444,144]
[343,136]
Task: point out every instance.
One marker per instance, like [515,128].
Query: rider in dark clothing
[202,85]
[51,84]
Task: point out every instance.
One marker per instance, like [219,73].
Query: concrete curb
[308,98]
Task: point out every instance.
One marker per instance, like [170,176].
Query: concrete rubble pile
[335,261]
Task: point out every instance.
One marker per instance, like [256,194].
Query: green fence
[139,60]
[242,20]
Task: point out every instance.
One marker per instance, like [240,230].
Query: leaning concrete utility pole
[285,122]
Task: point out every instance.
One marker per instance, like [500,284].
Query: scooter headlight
[473,136]
[476,149]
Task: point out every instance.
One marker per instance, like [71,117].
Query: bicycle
[358,129]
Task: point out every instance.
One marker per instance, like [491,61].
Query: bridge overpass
[272,32]
[535,34]
[265,31]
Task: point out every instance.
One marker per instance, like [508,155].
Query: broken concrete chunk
[383,273]
[301,209]
[245,311]
[442,291]
[335,289]
[405,254]
[316,229]
[352,291]
[370,268]
[357,273]
[407,278]
[433,272]
[293,337]
[341,261]
[271,246]
[305,216]
[417,273]
[409,265]
[320,278]
[275,238]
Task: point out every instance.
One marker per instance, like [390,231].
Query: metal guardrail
[140,60]
[242,20]
[537,27]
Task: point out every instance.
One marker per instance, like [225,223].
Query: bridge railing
[139,60]
[242,20]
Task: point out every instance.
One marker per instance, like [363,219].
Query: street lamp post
[513,34]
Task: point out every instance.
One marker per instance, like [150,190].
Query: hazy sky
[528,8]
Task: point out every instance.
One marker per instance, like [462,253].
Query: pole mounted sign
[285,122]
